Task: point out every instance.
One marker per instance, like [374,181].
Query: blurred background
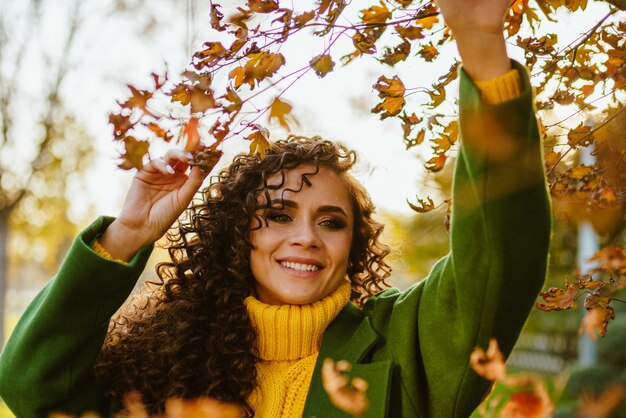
[65,63]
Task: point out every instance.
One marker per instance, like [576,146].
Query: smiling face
[300,255]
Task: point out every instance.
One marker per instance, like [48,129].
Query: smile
[298,266]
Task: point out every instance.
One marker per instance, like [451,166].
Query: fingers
[174,161]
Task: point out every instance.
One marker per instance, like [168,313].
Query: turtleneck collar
[291,332]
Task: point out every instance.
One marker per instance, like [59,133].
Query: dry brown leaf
[488,364]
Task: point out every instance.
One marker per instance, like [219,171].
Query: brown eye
[278,217]
[333,224]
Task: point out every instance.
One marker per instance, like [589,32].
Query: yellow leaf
[436,163]
[429,52]
[390,106]
[437,96]
[422,206]
[428,22]
[322,64]
[259,138]
[190,130]
[376,14]
[581,135]
[281,111]
[135,150]
[411,32]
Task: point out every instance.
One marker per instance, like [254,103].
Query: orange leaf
[375,14]
[581,135]
[202,100]
[528,404]
[428,22]
[121,124]
[304,18]
[438,96]
[262,6]
[322,64]
[190,130]
[139,99]
[263,64]
[598,304]
[489,364]
[181,94]
[429,52]
[239,76]
[603,405]
[346,394]
[389,87]
[396,54]
[558,299]
[281,111]
[160,132]
[436,163]
[259,138]
[612,259]
[411,32]
[442,144]
[422,205]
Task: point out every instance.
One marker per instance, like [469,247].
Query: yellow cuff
[102,252]
[500,89]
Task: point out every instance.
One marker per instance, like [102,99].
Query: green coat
[412,347]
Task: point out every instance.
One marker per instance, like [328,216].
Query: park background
[63,66]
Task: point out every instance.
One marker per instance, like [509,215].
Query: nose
[305,234]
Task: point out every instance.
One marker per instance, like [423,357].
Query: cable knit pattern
[288,340]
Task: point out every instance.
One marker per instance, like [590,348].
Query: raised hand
[158,195]
[478,27]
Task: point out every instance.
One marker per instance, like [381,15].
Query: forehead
[308,182]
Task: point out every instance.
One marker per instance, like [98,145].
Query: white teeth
[300,267]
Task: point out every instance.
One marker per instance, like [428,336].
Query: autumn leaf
[322,64]
[488,364]
[611,259]
[438,96]
[262,6]
[391,90]
[259,140]
[234,100]
[303,18]
[409,32]
[364,42]
[558,299]
[396,54]
[429,52]
[281,111]
[375,14]
[216,18]
[160,132]
[604,405]
[219,130]
[408,122]
[441,144]
[348,395]
[121,124]
[436,163]
[181,93]
[239,76]
[262,65]
[202,408]
[134,151]
[389,87]
[212,54]
[190,130]
[598,316]
[422,206]
[428,22]
[202,100]
[580,136]
[528,404]
[139,99]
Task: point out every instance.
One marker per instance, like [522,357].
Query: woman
[256,295]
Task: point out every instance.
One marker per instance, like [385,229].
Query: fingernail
[170,169]
[189,155]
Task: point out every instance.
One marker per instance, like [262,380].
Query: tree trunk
[4,266]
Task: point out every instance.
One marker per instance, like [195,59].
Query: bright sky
[109,54]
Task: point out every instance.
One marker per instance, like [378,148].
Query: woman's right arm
[47,363]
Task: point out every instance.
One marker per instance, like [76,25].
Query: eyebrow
[280,203]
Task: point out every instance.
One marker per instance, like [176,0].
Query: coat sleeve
[46,365]
[486,285]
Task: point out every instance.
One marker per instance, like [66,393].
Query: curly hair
[173,341]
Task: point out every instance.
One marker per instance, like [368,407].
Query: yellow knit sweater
[288,342]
